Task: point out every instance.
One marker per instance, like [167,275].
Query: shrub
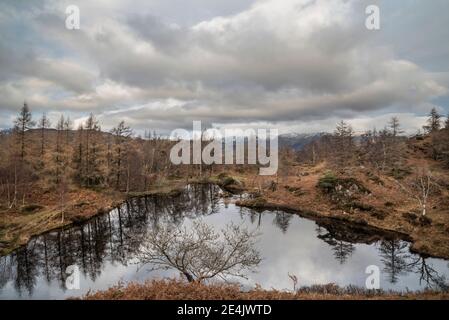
[328,182]
[228,181]
[400,173]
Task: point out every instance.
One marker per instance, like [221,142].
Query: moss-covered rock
[341,189]
[230,184]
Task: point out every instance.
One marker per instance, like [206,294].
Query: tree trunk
[127,178]
[188,276]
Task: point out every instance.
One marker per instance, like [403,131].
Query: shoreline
[363,230]
[371,230]
[104,204]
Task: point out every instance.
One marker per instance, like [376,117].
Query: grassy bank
[384,208]
[18,225]
[382,212]
[180,290]
[45,213]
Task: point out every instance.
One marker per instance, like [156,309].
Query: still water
[105,249]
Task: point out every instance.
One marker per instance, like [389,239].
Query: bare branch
[200,252]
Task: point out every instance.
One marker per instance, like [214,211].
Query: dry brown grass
[17,227]
[386,197]
[179,290]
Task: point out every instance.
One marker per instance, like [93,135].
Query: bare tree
[58,151]
[67,128]
[44,124]
[201,253]
[428,274]
[420,188]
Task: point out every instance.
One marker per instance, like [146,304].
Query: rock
[230,184]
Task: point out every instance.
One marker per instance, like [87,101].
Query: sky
[295,65]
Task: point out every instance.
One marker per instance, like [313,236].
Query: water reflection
[111,237]
[342,250]
[282,220]
[110,242]
[395,257]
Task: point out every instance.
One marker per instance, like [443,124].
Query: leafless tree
[428,274]
[67,128]
[44,124]
[200,253]
[420,187]
[58,151]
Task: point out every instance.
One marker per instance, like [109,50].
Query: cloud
[259,62]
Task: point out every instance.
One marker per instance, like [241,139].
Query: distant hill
[298,141]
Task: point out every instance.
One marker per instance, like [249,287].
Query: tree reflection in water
[282,220]
[399,261]
[394,253]
[395,257]
[116,237]
[110,237]
[342,250]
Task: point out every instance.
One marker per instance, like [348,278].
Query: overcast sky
[296,65]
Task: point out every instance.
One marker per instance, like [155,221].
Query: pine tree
[121,133]
[394,256]
[344,130]
[58,152]
[343,142]
[395,127]
[433,121]
[93,173]
[23,123]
